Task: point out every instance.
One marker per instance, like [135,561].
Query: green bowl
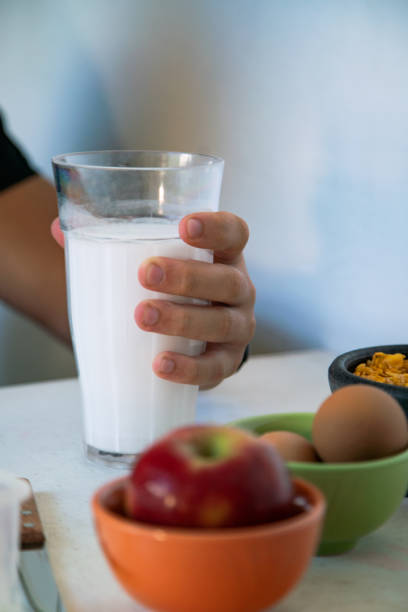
[360,496]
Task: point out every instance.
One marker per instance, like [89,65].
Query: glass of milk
[116,209]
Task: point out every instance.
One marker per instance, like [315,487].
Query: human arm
[32,273]
[32,277]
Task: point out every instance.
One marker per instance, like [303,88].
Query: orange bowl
[243,569]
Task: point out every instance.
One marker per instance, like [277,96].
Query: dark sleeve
[13,165]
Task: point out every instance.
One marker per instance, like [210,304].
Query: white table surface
[40,438]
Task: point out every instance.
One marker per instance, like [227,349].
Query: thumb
[57,233]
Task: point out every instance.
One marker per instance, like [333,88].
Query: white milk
[125,404]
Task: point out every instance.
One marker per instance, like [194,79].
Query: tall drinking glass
[116,209]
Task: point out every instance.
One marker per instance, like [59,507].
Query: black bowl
[341,371]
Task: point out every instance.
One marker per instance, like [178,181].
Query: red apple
[209,476]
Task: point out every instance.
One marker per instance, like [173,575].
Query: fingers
[196,279]
[207,370]
[57,233]
[210,324]
[224,233]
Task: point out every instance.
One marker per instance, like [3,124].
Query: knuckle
[251,292]
[226,225]
[187,283]
[224,219]
[193,373]
[244,229]
[252,327]
[236,285]
[227,219]
[226,324]
[248,327]
[183,324]
[218,371]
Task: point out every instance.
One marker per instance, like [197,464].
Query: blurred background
[307,102]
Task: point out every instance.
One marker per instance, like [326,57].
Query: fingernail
[194,228]
[167,365]
[154,275]
[150,315]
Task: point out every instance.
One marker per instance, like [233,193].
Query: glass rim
[62,160]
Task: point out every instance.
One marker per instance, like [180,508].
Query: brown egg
[291,446]
[358,423]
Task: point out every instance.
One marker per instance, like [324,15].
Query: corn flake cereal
[386,368]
